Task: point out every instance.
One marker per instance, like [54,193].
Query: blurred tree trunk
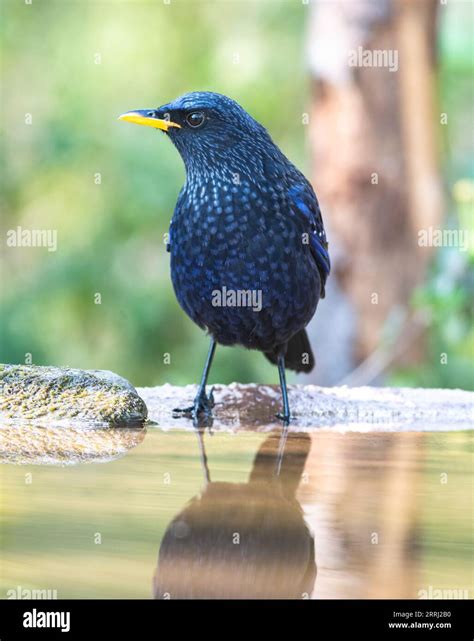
[373,133]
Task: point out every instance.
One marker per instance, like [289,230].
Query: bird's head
[208,129]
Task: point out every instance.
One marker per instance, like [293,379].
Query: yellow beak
[141,118]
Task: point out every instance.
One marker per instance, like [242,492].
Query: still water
[326,514]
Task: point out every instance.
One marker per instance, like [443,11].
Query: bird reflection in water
[243,540]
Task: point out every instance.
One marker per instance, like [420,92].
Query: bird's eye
[195,119]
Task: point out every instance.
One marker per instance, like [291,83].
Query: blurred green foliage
[109,189]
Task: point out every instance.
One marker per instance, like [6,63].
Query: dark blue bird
[249,257]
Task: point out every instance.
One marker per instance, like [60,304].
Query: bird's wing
[305,205]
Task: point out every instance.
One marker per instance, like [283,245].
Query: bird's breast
[228,239]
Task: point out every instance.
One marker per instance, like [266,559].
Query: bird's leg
[285,416]
[203,403]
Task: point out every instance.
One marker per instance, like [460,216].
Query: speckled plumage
[246,219]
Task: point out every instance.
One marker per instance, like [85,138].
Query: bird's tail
[299,356]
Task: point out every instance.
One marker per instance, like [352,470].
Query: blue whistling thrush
[249,257]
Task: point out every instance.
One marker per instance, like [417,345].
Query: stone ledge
[253,407]
[53,396]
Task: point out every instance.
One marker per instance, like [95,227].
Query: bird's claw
[210,398]
[286,418]
[200,411]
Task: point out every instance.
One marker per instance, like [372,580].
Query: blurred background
[388,149]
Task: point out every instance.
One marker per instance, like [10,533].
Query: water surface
[330,515]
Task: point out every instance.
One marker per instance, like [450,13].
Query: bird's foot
[201,408]
[285,418]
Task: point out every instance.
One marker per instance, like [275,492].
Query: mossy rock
[57,395]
